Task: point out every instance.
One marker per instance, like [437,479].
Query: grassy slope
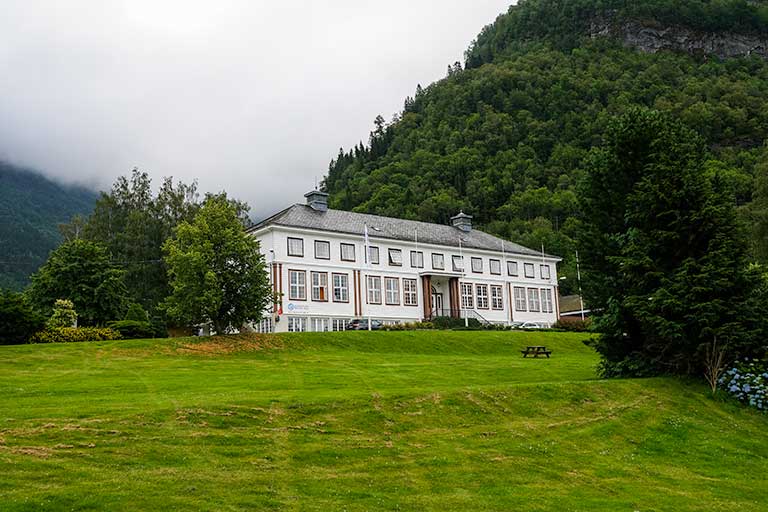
[359,421]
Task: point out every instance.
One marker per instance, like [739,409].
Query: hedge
[74,335]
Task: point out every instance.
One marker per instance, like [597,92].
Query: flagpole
[368,267]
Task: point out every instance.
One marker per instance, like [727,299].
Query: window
[533,299]
[546,272]
[497,297]
[477,265]
[396,257]
[373,255]
[340,288]
[320,286]
[266,325]
[322,250]
[417,259]
[520,303]
[297,324]
[347,252]
[392,289]
[458,264]
[438,261]
[482,296]
[410,292]
[546,301]
[296,247]
[297,280]
[374,290]
[338,324]
[467,301]
[320,324]
[530,270]
[512,269]
[495,267]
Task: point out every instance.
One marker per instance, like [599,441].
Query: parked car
[361,324]
[531,325]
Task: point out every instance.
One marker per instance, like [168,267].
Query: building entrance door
[437,303]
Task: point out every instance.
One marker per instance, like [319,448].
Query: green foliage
[83,273]
[136,313]
[573,325]
[217,273]
[74,335]
[64,315]
[18,320]
[133,329]
[663,254]
[447,322]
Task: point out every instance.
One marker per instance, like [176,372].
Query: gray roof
[351,223]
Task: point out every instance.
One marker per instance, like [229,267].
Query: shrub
[132,329]
[64,314]
[747,381]
[18,320]
[74,335]
[447,322]
[573,325]
[136,313]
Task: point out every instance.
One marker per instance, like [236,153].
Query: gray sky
[253,97]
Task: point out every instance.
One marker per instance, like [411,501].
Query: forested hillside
[506,137]
[31,208]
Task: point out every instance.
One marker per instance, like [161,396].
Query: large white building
[414,271]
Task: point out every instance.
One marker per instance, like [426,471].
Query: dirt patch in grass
[219,345]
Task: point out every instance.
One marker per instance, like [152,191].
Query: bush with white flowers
[748,382]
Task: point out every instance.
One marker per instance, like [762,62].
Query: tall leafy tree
[217,274]
[664,257]
[18,319]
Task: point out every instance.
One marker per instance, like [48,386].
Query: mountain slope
[31,207]
[506,138]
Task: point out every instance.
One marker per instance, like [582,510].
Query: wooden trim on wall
[426,293]
[454,300]
[280,274]
[511,303]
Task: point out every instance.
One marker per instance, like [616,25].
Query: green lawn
[364,421]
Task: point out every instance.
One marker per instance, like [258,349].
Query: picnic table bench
[536,352]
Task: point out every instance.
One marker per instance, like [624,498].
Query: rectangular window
[266,325]
[417,259]
[512,269]
[530,271]
[296,247]
[467,300]
[322,250]
[458,264]
[297,280]
[497,297]
[373,255]
[347,252]
[495,267]
[546,273]
[297,324]
[340,288]
[520,301]
[533,299]
[482,296]
[320,324]
[320,286]
[374,290]
[392,291]
[396,257]
[410,292]
[477,265]
[338,324]
[546,301]
[438,261]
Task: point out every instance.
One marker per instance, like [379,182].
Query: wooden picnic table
[536,351]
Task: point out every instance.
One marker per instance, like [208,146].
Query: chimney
[462,221]
[317,200]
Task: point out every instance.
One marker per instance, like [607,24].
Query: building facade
[322,275]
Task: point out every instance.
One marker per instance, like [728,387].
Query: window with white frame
[347,252]
[512,270]
[374,289]
[297,281]
[297,324]
[373,255]
[340,288]
[482,296]
[320,286]
[438,261]
[322,250]
[392,291]
[396,257]
[546,301]
[497,297]
[495,267]
[467,298]
[477,265]
[546,272]
[533,299]
[521,303]
[338,324]
[266,325]
[530,270]
[417,259]
[458,263]
[296,247]
[320,324]
[410,292]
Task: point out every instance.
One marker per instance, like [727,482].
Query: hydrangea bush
[748,382]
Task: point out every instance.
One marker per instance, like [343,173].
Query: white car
[531,325]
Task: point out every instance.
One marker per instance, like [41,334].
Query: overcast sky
[250,96]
